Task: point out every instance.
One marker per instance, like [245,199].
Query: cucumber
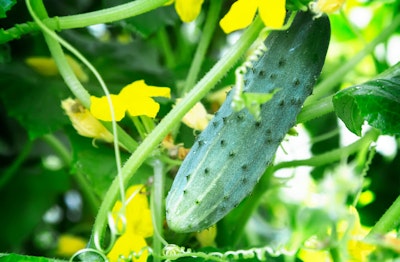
[232,153]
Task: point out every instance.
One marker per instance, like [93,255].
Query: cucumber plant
[232,153]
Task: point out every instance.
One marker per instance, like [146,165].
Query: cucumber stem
[334,155]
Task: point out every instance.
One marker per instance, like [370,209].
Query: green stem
[17,31]
[173,117]
[139,126]
[58,54]
[389,220]
[148,123]
[334,155]
[335,249]
[316,109]
[157,203]
[13,168]
[337,76]
[208,31]
[108,15]
[59,148]
[166,48]
[103,16]
[83,184]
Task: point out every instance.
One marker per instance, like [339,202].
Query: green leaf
[376,102]
[21,258]
[97,163]
[6,5]
[149,23]
[27,196]
[32,99]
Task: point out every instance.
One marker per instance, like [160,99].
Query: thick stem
[108,15]
[112,14]
[389,220]
[147,147]
[208,31]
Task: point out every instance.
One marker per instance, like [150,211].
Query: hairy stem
[208,31]
[107,15]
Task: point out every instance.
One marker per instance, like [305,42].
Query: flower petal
[188,10]
[142,106]
[69,244]
[125,245]
[138,214]
[46,66]
[272,13]
[239,16]
[84,122]
[140,88]
[197,117]
[100,109]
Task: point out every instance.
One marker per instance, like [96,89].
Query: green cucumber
[232,153]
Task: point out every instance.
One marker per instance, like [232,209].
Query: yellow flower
[136,98]
[84,122]
[242,12]
[69,245]
[197,117]
[207,236]
[138,225]
[326,6]
[46,66]
[188,10]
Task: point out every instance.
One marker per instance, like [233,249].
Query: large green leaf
[27,196]
[97,163]
[6,5]
[376,101]
[32,99]
[21,258]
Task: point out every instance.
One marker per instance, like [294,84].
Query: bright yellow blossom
[84,122]
[138,225]
[69,245]
[242,12]
[188,10]
[46,66]
[136,98]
